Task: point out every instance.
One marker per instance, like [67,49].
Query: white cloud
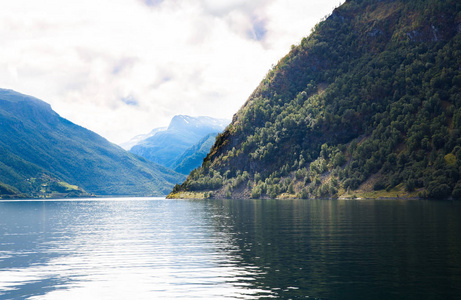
[123,67]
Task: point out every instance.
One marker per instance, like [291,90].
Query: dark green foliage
[193,157]
[381,184]
[438,190]
[373,90]
[457,191]
[7,191]
[35,142]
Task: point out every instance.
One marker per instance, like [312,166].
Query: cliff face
[369,102]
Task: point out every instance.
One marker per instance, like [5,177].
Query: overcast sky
[124,67]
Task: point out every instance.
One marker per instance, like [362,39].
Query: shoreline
[355,196]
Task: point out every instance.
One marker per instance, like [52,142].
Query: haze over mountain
[369,104]
[115,72]
[166,146]
[43,154]
[193,157]
[140,138]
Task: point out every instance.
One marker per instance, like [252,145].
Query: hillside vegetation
[368,104]
[44,155]
[193,156]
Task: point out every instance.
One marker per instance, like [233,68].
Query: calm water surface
[147,248]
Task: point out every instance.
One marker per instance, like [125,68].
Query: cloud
[130,100]
[152,2]
[223,7]
[259,30]
[123,67]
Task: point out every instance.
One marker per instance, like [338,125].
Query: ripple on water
[117,249]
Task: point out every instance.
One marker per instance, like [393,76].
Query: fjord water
[146,248]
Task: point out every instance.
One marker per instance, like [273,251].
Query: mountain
[140,138]
[368,105]
[166,146]
[193,157]
[42,154]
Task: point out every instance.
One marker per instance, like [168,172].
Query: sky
[124,67]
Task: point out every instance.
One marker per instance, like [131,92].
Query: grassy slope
[34,140]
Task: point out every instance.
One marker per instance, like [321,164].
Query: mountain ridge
[367,104]
[139,138]
[37,143]
[166,146]
[193,157]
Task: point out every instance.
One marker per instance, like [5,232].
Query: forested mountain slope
[193,156]
[368,104]
[42,154]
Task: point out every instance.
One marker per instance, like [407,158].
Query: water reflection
[214,249]
[350,249]
[119,250]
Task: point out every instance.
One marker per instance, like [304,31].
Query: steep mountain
[193,157]
[368,105]
[42,154]
[140,138]
[166,146]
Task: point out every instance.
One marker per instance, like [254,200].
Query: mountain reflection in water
[147,248]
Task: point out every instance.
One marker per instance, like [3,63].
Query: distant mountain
[43,154]
[166,146]
[140,138]
[368,105]
[193,157]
